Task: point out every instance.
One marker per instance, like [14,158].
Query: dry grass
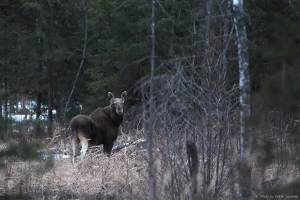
[122,176]
[117,177]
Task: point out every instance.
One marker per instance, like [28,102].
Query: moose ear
[110,95]
[124,95]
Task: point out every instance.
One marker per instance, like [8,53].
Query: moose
[100,127]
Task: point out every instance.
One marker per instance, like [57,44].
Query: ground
[122,176]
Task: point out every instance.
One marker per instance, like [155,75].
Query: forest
[189,131]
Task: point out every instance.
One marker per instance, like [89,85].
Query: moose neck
[114,116]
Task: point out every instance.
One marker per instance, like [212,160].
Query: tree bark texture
[244,86]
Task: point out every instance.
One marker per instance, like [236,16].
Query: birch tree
[244,86]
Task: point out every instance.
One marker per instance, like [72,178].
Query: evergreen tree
[57,41]
[274,30]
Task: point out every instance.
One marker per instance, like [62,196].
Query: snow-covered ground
[24,111]
[22,115]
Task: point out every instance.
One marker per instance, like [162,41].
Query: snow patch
[237,2]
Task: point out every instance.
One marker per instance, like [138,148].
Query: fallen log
[118,147]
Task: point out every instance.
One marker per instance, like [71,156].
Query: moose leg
[84,148]
[107,148]
[74,148]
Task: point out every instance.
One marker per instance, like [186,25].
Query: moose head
[117,104]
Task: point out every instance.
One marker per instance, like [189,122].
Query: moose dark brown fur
[100,127]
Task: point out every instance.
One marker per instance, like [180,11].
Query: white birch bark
[244,85]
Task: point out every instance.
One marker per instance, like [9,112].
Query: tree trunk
[5,105]
[39,70]
[50,97]
[39,93]
[244,85]
[50,73]
[38,105]
[193,165]
[152,191]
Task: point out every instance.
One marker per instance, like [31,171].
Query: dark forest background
[64,54]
